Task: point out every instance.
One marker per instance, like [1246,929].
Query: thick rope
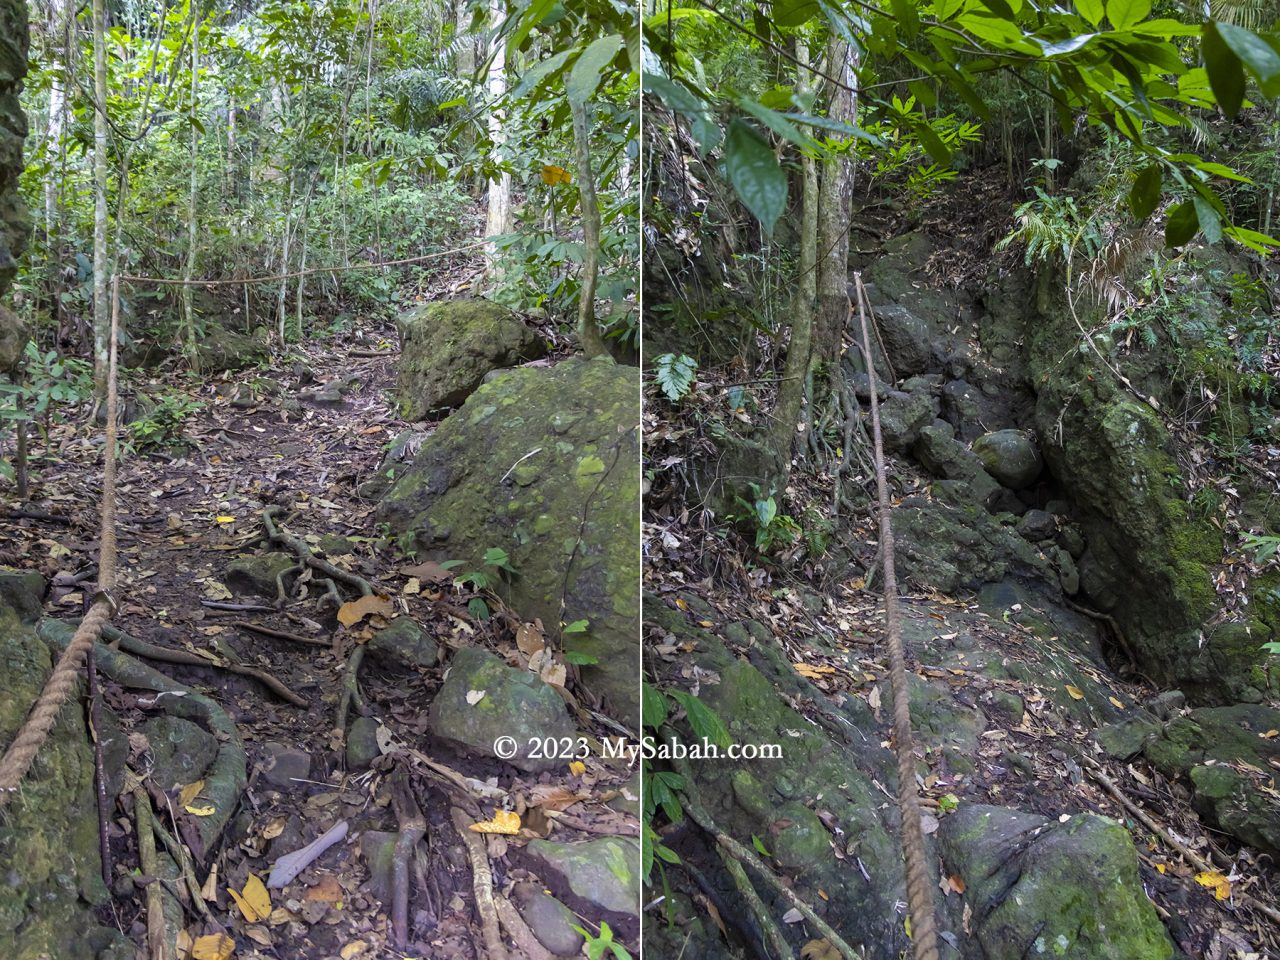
[22,752]
[924,933]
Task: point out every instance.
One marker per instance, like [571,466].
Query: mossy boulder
[13,339]
[257,573]
[403,643]
[1223,753]
[1010,456]
[1042,888]
[604,873]
[223,349]
[49,832]
[542,463]
[446,348]
[483,701]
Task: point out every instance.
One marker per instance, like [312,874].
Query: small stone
[549,919]
[362,744]
[282,765]
[257,574]
[181,751]
[403,643]
[1037,526]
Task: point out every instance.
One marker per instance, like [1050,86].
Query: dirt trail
[182,521]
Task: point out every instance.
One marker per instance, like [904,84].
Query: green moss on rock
[572,538]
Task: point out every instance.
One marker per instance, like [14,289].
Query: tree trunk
[189,338]
[500,217]
[101,311]
[833,214]
[787,418]
[589,336]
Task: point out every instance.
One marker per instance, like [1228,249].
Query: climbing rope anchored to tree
[924,934]
[18,758]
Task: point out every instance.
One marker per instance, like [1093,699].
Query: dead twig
[157,940]
[413,827]
[99,772]
[278,634]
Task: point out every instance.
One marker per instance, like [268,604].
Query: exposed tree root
[700,816]
[351,695]
[413,827]
[278,634]
[778,946]
[482,884]
[151,651]
[307,556]
[225,779]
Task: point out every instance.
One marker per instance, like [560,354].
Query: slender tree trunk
[101,311]
[787,418]
[284,265]
[500,217]
[589,336]
[189,338]
[833,214]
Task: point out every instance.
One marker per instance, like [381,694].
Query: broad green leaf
[755,174]
[702,719]
[904,11]
[532,17]
[1124,14]
[1210,222]
[778,123]
[702,125]
[1258,55]
[1091,10]
[1226,76]
[1259,242]
[1070,45]
[1145,194]
[585,75]
[794,13]
[539,72]
[653,706]
[1181,225]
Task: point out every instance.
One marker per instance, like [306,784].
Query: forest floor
[827,619]
[183,518]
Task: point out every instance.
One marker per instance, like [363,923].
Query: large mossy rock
[542,463]
[1042,888]
[1010,456]
[446,349]
[483,701]
[223,349]
[49,831]
[1222,752]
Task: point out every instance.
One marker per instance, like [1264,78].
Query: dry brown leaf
[1075,692]
[353,950]
[274,828]
[210,889]
[353,611]
[810,672]
[553,797]
[429,571]
[259,935]
[819,950]
[529,638]
[328,890]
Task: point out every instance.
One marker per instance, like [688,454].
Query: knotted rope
[35,730]
[924,933]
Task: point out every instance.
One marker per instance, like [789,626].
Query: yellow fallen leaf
[1116,703]
[811,672]
[1270,734]
[504,821]
[225,519]
[190,792]
[577,767]
[205,811]
[216,946]
[354,611]
[1076,692]
[1215,881]
[1160,868]
[254,901]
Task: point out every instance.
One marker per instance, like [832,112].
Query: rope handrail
[309,271]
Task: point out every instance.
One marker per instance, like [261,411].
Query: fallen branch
[482,885]
[239,607]
[284,870]
[413,827]
[1200,863]
[617,826]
